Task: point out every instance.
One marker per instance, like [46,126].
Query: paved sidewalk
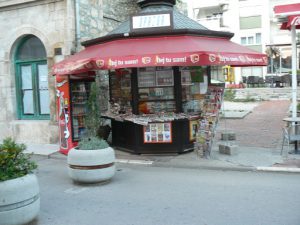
[259,141]
[261,128]
[42,149]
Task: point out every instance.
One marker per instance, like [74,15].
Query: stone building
[34,35]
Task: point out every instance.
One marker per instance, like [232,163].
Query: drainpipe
[280,63]
[272,67]
[77,25]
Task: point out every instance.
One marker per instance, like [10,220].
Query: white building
[252,22]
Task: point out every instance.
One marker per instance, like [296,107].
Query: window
[32,79]
[243,40]
[258,38]
[250,40]
[252,71]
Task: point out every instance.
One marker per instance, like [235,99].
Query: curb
[278,169]
[137,162]
[192,166]
[205,167]
[57,155]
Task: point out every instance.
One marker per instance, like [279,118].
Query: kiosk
[159,65]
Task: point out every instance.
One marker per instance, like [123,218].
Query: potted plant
[95,124]
[92,160]
[19,198]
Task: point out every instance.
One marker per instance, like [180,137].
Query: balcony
[211,3]
[212,23]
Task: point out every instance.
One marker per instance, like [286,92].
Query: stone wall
[90,18]
[98,17]
[265,93]
[115,12]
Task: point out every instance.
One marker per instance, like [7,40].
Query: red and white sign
[160,51]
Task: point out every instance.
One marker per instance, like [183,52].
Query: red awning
[292,20]
[285,10]
[291,14]
[160,51]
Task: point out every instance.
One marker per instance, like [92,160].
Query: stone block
[5,130]
[38,132]
[228,136]
[228,149]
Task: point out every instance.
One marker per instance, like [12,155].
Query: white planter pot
[91,166]
[19,200]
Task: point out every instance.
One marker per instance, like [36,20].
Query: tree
[272,52]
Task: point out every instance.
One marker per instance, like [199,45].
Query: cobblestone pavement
[261,128]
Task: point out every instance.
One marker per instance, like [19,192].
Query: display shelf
[79,103]
[78,126]
[149,107]
[164,78]
[78,115]
[208,123]
[157,86]
[79,95]
[76,92]
[157,100]
[120,88]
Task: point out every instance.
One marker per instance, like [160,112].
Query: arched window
[32,79]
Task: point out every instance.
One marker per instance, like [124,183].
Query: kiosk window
[192,82]
[156,90]
[120,89]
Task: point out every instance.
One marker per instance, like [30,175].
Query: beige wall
[53,23]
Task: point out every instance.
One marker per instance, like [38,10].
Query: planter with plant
[19,189]
[92,160]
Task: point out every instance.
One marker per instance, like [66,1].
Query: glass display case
[120,89]
[192,84]
[79,96]
[156,90]
[166,102]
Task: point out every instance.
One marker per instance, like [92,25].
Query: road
[145,195]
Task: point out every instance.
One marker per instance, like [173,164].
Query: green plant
[95,124]
[93,120]
[247,99]
[92,143]
[229,95]
[298,72]
[13,162]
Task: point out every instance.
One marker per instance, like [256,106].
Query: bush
[298,72]
[298,107]
[13,162]
[92,143]
[229,95]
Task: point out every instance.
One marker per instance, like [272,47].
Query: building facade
[37,34]
[254,25]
